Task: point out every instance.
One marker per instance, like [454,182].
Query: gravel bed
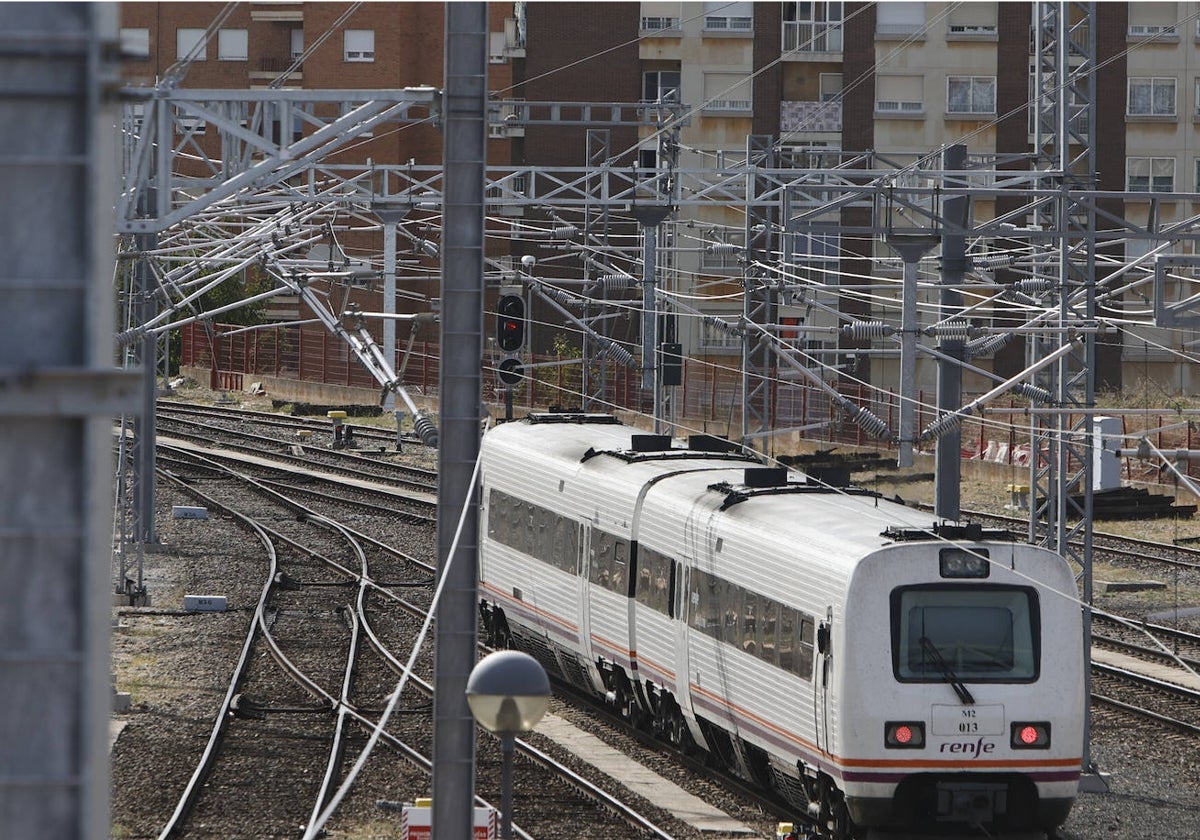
[176,666]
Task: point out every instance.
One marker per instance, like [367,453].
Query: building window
[297,43]
[233,45]
[899,20]
[189,43]
[1197,173]
[729,17]
[1150,174]
[971,95]
[831,86]
[1151,97]
[135,44]
[720,334]
[1153,20]
[660,86]
[971,21]
[360,45]
[898,95]
[812,27]
[727,92]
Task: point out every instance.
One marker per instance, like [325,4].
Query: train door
[824,678]
[585,613]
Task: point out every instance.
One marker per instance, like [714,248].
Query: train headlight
[1030,736]
[960,563]
[904,735]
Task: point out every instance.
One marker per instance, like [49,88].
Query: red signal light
[1030,736]
[904,735]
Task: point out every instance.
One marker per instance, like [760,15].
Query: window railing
[807,36]
[1146,30]
[729,105]
[721,23]
[964,30]
[652,24]
[894,106]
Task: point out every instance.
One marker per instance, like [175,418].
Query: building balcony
[269,67]
[816,40]
[810,117]
[277,12]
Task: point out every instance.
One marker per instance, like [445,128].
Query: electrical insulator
[564,232]
[722,248]
[426,430]
[1034,286]
[987,346]
[942,425]
[1001,261]
[868,329]
[618,354]
[616,282]
[1033,392]
[871,424]
[952,330]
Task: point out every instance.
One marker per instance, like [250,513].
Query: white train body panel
[791,634]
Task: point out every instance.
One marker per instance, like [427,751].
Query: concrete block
[204,603]
[189,512]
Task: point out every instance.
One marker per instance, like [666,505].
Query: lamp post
[508,692]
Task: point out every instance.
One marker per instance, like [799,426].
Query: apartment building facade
[821,80]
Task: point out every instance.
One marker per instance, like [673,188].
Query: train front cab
[969,714]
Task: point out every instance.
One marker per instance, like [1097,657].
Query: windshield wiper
[936,655]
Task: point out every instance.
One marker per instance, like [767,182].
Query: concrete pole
[948,470]
[911,249]
[390,218]
[56,435]
[460,380]
[650,217]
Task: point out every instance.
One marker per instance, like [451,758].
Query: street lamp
[508,692]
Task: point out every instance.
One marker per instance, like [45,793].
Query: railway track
[319,605]
[1116,692]
[299,452]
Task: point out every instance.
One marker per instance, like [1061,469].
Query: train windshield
[978,633]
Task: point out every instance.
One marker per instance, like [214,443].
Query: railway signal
[510,322]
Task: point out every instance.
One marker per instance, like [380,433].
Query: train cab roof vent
[965,532]
[737,493]
[765,477]
[829,476]
[650,443]
[571,417]
[712,443]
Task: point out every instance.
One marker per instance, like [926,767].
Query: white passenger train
[873,669]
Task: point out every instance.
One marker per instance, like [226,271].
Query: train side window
[619,580]
[600,569]
[804,660]
[750,641]
[707,599]
[787,638]
[733,600]
[654,579]
[768,631]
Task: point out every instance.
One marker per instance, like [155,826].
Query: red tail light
[904,735]
[1030,736]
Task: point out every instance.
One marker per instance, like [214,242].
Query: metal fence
[710,395]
